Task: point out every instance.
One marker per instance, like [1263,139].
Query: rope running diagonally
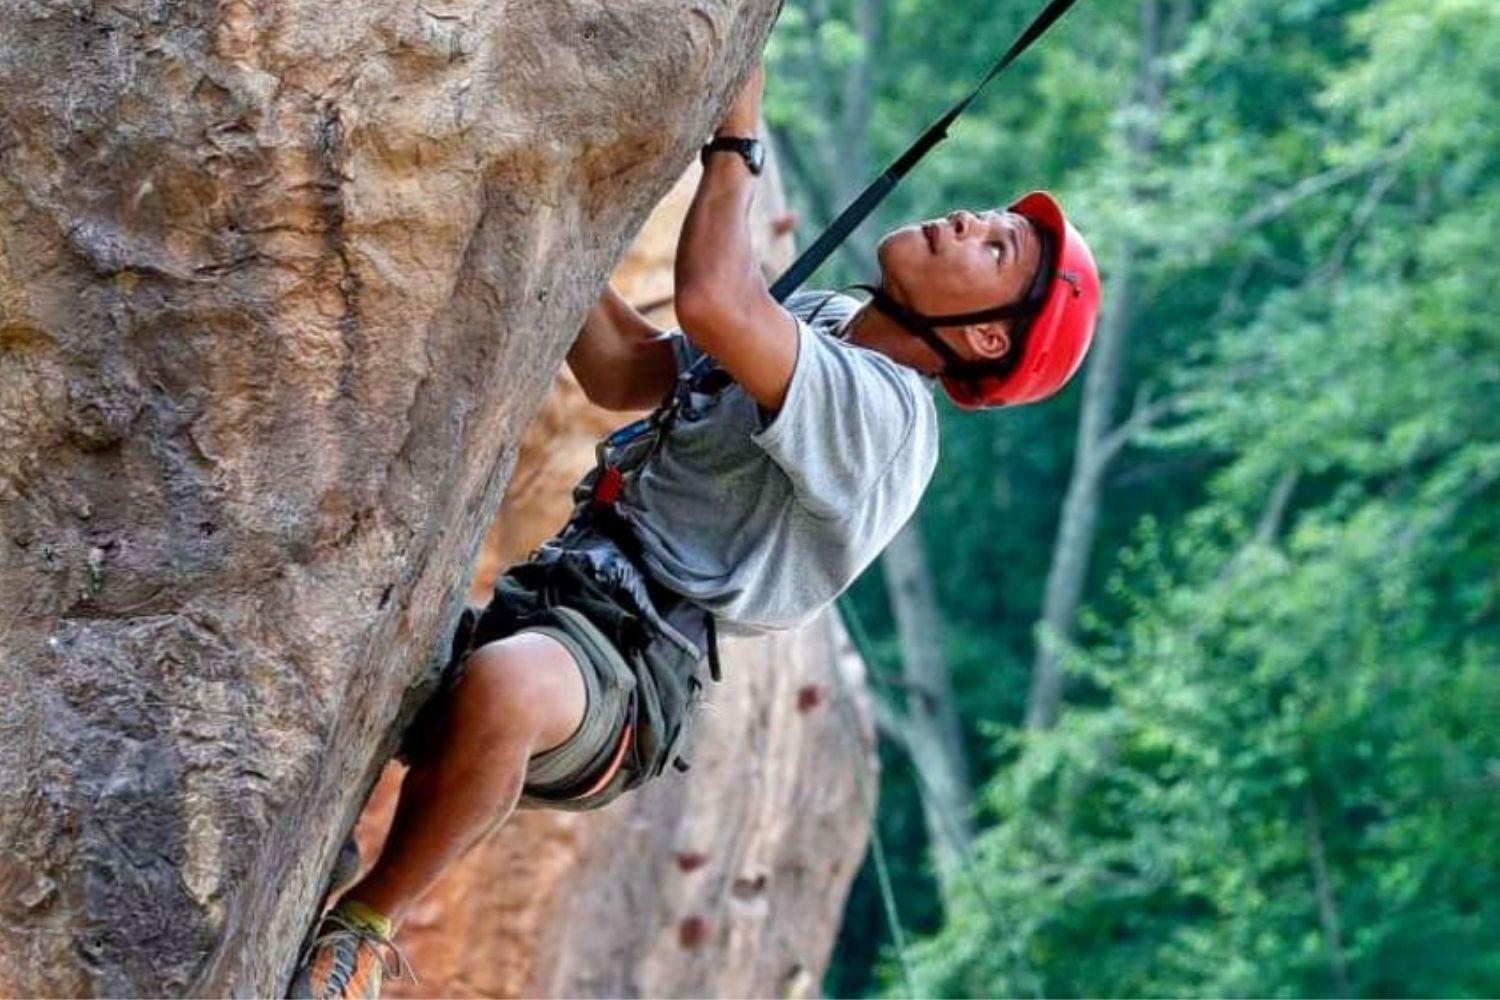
[867,201]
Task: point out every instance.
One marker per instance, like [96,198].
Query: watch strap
[752,151]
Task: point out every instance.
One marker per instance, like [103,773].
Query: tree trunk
[1074,543]
[280,287]
[932,733]
[1068,570]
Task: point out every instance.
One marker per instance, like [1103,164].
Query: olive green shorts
[640,674]
[587,770]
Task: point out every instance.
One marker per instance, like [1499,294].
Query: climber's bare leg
[518,697]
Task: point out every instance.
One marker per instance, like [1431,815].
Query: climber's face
[962,263]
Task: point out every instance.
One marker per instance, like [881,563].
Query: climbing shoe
[350,954]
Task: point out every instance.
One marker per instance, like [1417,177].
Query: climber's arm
[622,361]
[722,301]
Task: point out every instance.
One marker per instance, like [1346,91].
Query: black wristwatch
[752,150]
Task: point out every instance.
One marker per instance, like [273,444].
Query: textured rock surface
[280,287]
[726,882]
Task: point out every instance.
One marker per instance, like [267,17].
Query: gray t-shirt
[764,522]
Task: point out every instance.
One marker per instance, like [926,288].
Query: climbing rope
[860,209]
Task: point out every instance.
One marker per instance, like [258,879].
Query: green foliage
[1260,701]
[1291,782]
[1278,772]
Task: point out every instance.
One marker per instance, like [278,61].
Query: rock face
[728,881]
[281,285]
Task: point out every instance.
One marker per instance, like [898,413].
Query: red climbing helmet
[1057,335]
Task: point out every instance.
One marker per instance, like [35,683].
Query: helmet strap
[914,323]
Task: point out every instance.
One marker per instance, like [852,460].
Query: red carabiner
[608,486]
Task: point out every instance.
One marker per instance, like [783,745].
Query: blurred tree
[1099,441]
[852,83]
[1289,779]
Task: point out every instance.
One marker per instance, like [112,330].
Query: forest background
[1196,662]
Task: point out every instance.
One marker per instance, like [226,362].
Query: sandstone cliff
[281,285]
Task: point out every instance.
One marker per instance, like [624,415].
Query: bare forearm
[597,348]
[608,325]
[716,267]
[722,300]
[630,324]
[621,360]
[715,258]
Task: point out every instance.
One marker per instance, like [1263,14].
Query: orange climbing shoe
[348,957]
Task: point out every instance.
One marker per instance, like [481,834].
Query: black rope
[860,209]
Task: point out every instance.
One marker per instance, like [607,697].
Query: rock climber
[772,484]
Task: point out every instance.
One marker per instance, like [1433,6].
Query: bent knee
[526,686]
